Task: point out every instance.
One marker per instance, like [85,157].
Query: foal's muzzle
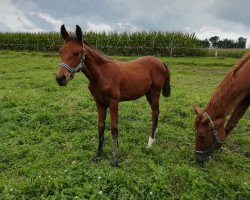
[62,80]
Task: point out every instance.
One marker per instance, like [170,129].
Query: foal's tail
[166,90]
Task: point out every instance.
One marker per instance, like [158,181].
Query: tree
[226,43]
[241,42]
[214,41]
[205,43]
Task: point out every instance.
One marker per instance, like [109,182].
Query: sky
[206,18]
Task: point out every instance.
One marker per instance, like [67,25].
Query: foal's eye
[76,54]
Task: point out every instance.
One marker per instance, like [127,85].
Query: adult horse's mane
[240,63]
[226,86]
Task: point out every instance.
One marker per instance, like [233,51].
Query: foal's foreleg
[114,130]
[102,110]
[238,112]
[154,102]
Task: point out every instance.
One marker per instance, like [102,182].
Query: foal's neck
[94,61]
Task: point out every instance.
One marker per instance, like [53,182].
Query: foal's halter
[72,70]
[218,141]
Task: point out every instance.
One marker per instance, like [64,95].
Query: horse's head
[72,55]
[209,135]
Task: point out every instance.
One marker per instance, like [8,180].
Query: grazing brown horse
[232,94]
[112,81]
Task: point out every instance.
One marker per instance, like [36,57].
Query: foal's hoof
[150,142]
[115,164]
[95,159]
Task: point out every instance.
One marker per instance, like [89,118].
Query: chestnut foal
[112,81]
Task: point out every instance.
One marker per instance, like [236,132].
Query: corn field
[127,44]
[139,43]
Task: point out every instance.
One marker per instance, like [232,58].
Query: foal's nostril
[62,80]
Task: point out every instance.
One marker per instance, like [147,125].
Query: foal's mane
[226,87]
[96,50]
[74,38]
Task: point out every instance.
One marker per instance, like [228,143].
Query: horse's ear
[197,110]
[79,33]
[64,33]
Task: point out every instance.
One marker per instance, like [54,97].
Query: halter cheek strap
[214,130]
[72,70]
[218,141]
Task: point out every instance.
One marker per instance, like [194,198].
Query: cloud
[117,27]
[225,18]
[98,27]
[14,19]
[207,32]
[55,22]
[236,12]
[125,27]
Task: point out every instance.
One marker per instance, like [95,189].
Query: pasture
[48,135]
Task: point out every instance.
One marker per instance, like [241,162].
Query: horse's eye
[76,54]
[201,135]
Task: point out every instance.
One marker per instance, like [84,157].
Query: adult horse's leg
[114,130]
[238,112]
[102,110]
[153,99]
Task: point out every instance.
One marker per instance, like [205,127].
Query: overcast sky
[206,18]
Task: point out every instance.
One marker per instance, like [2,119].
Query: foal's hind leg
[101,127]
[114,130]
[153,99]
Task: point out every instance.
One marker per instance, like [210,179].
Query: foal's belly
[130,97]
[134,88]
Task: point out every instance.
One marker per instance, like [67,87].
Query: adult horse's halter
[216,137]
[72,70]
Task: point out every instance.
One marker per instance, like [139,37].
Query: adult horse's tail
[166,90]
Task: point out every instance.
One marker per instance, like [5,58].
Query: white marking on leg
[156,131]
[150,142]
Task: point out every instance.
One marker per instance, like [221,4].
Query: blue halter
[72,70]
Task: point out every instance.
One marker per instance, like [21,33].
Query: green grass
[49,133]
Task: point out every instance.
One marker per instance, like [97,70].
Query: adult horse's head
[209,135]
[72,55]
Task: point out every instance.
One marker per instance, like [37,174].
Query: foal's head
[209,135]
[72,55]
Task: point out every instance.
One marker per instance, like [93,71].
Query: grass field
[49,133]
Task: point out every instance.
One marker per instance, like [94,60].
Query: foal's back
[136,78]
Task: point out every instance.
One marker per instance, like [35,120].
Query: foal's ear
[79,33]
[64,33]
[197,110]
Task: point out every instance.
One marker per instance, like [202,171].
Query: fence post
[171,49]
[216,52]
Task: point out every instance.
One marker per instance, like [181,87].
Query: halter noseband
[216,137]
[72,70]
